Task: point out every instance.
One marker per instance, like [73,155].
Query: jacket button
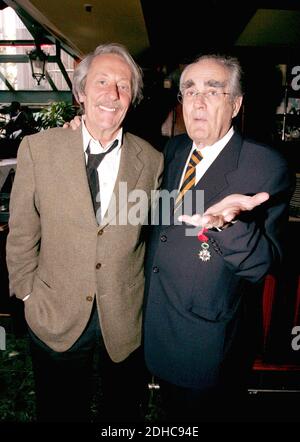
[100,232]
[155,269]
[98,265]
[163,238]
[89,298]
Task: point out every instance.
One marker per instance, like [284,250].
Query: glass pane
[20,77]
[19,74]
[11,27]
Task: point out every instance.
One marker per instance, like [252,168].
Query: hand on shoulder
[73,124]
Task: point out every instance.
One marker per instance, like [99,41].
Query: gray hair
[232,65]
[81,71]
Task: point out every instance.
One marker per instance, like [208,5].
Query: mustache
[111,105]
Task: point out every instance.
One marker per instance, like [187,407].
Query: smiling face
[107,96]
[208,119]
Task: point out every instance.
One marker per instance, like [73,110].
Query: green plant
[17,399]
[55,115]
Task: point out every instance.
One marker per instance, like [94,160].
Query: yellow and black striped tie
[189,177]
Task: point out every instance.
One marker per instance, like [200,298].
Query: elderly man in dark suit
[194,328]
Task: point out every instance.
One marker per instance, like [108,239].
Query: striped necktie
[189,179]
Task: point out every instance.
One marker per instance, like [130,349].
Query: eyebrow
[188,83]
[210,83]
[215,83]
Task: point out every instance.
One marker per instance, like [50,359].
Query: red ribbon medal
[204,253]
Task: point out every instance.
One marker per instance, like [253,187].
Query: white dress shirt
[108,168]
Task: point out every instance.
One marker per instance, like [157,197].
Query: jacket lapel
[215,179]
[176,165]
[130,170]
[73,168]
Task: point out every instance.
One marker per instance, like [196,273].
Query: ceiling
[181,32]
[167,31]
[82,25]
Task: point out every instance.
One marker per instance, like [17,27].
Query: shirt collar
[95,145]
[215,148]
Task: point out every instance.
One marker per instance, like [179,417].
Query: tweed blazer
[57,252]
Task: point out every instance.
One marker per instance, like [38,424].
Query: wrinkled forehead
[205,73]
[110,63]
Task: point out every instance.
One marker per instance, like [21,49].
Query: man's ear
[236,106]
[81,98]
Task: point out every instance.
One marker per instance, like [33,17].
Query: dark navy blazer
[193,309]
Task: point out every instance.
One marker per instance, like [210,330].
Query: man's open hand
[225,211]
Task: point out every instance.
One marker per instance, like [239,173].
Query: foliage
[55,115]
[17,402]
[17,396]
